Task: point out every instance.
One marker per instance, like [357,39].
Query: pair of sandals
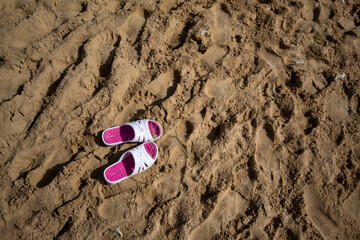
[135,160]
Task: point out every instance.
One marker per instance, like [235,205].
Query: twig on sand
[343,1]
[132,200]
[341,76]
[137,180]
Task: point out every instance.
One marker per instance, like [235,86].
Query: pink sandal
[138,131]
[132,162]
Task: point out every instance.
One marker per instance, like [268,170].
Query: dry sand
[261,138]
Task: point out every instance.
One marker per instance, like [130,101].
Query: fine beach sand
[261,129]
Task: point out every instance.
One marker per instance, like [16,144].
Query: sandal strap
[142,131]
[142,159]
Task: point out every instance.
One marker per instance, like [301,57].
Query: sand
[259,102]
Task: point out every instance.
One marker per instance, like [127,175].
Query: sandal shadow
[98,173]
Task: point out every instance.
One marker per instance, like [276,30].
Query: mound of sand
[261,129]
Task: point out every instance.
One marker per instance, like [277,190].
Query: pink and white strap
[142,159]
[142,132]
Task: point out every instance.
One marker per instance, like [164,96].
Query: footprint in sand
[285,104]
[314,208]
[164,85]
[176,33]
[107,56]
[213,56]
[41,164]
[357,45]
[69,9]
[100,52]
[216,88]
[35,160]
[134,205]
[116,207]
[167,5]
[50,167]
[326,11]
[173,161]
[36,26]
[134,25]
[307,12]
[352,205]
[337,106]
[22,162]
[227,208]
[40,23]
[94,63]
[265,155]
[222,31]
[157,91]
[275,62]
[18,79]
[316,11]
[91,72]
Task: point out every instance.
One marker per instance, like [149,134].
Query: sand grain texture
[261,138]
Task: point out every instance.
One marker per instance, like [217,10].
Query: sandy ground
[261,129]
